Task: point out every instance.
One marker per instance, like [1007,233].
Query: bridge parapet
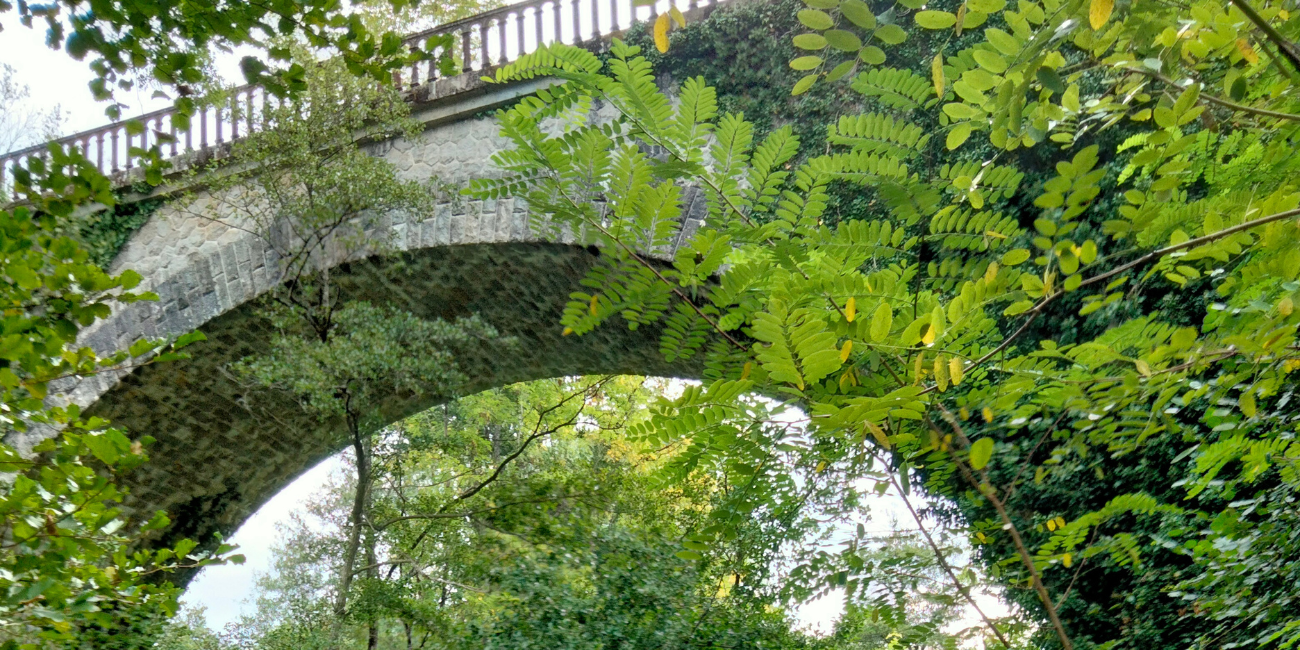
[477,44]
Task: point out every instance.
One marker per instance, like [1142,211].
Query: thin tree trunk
[354,521]
[372,639]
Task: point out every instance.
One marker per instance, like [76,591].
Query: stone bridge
[222,449]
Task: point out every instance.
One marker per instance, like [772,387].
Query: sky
[55,79]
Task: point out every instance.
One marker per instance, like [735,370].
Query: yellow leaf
[1143,367]
[956,370]
[844,380]
[1247,404]
[821,465]
[961,17]
[661,33]
[988,415]
[941,373]
[963,413]
[1051,524]
[567,331]
[1067,560]
[991,273]
[936,73]
[1289,365]
[1099,12]
[1247,51]
[851,309]
[878,434]
[845,351]
[1286,306]
[919,370]
[1060,522]
[928,338]
[744,374]
[595,302]
[981,537]
[677,16]
[995,235]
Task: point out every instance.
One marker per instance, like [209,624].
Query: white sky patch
[224,590]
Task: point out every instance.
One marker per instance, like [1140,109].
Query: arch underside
[222,449]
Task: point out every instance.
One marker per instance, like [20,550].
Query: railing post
[501,38]
[559,28]
[432,64]
[537,23]
[466,64]
[234,119]
[577,21]
[251,110]
[483,44]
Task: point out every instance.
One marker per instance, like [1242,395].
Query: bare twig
[985,487]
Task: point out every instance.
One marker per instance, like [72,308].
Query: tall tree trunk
[348,569]
[372,571]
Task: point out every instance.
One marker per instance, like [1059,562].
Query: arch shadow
[221,450]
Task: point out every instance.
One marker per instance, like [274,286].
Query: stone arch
[221,451]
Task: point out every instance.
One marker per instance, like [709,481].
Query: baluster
[483,44]
[217,121]
[126,150]
[114,149]
[251,110]
[189,136]
[559,30]
[577,21]
[234,116]
[433,63]
[613,16]
[537,24]
[519,33]
[415,74]
[465,63]
[4,191]
[595,19]
[501,39]
[171,121]
[99,149]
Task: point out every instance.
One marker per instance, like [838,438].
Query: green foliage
[72,573]
[788,309]
[523,516]
[169,45]
[371,353]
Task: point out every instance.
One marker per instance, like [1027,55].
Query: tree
[23,125]
[523,516]
[316,198]
[947,299]
[72,573]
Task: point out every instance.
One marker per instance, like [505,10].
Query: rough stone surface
[223,449]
